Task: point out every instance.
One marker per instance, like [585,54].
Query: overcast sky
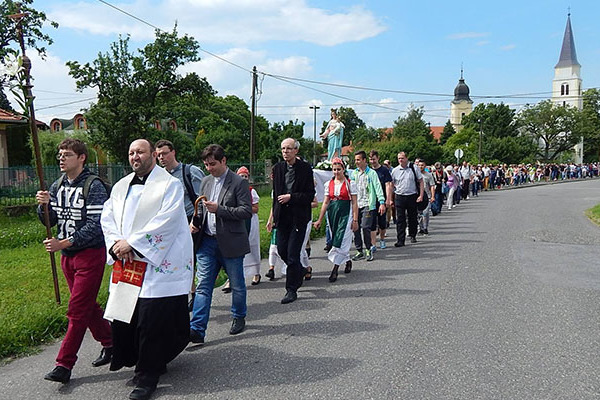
[506,47]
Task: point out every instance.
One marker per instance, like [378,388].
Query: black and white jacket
[76,217]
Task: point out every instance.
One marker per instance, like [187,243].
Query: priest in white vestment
[146,231]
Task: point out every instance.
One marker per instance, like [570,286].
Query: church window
[567,89]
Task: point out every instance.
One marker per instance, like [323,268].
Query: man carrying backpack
[406,193]
[191,178]
[75,203]
[189,175]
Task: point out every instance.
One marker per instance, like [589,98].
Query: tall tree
[554,127]
[134,91]
[590,125]
[32,28]
[412,125]
[494,120]
[447,132]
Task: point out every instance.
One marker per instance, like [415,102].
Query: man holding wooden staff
[75,203]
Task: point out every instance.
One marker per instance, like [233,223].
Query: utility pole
[480,136]
[252,123]
[36,143]
[314,134]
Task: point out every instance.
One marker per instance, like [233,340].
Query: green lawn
[29,315]
[594,214]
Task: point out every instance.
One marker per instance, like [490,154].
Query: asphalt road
[500,301]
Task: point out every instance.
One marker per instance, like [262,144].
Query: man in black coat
[293,191]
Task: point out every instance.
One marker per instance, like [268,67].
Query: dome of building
[461,91]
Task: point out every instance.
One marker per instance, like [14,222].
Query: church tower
[566,85]
[461,105]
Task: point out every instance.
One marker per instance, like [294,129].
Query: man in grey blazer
[224,240]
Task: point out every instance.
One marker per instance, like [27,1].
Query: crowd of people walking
[170,232]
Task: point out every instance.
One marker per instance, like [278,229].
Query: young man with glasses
[81,242]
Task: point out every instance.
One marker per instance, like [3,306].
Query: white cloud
[467,35]
[232,22]
[482,42]
[508,47]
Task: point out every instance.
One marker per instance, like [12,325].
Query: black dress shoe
[104,358]
[327,248]
[289,297]
[334,274]
[348,268]
[195,337]
[237,326]
[413,239]
[142,392]
[59,374]
[398,244]
[270,274]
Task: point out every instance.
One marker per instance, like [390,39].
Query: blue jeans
[209,262]
[437,204]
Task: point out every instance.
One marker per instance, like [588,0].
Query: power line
[334,95]
[161,30]
[65,104]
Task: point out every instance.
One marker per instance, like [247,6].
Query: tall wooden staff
[36,143]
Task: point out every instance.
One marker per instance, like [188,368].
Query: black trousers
[465,188]
[406,206]
[289,244]
[158,332]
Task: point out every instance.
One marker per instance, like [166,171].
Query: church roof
[461,91]
[568,56]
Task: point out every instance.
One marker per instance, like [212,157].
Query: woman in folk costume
[252,259]
[342,215]
[334,133]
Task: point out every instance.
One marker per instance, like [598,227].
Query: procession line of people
[157,225]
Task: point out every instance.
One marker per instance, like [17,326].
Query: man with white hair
[293,192]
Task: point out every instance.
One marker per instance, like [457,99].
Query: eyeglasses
[60,156]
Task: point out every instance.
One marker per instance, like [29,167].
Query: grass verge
[594,214]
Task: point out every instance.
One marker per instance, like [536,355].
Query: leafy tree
[447,132]
[509,150]
[365,134]
[412,125]
[589,124]
[134,91]
[32,25]
[467,139]
[494,120]
[554,127]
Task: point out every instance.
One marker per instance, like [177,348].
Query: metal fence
[18,185]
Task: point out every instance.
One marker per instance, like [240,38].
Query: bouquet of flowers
[324,165]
